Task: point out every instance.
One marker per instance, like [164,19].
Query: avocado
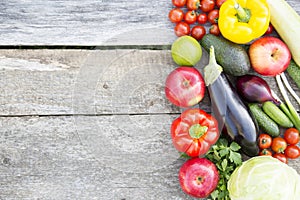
[231,56]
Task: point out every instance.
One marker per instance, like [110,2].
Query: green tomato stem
[196,131]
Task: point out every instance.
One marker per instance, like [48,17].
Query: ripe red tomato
[264,141]
[194,132]
[185,86]
[278,145]
[198,177]
[192,4]
[281,157]
[198,32]
[213,16]
[182,28]
[214,29]
[176,15]
[291,136]
[292,151]
[202,18]
[265,152]
[207,5]
[190,17]
[179,3]
[219,3]
[270,29]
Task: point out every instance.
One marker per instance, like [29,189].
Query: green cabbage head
[264,178]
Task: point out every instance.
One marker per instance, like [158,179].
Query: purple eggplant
[229,109]
[254,89]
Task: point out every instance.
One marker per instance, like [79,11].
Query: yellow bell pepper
[241,21]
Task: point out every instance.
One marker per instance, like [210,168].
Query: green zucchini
[263,120]
[232,57]
[276,114]
[294,72]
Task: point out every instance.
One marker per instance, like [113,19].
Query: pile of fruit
[247,117]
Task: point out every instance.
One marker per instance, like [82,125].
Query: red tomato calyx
[264,141]
[196,131]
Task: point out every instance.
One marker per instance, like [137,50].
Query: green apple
[186,51]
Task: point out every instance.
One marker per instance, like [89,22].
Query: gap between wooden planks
[80,124]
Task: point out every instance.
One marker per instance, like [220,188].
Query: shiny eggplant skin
[233,115]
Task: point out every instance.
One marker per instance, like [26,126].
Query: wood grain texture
[64,82]
[55,158]
[51,158]
[80,124]
[55,82]
[89,22]
[88,124]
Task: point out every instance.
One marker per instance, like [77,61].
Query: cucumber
[294,72]
[263,120]
[232,57]
[276,114]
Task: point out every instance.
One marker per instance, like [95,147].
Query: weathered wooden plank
[58,82]
[63,158]
[91,157]
[54,82]
[89,22]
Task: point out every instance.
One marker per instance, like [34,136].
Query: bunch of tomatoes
[190,16]
[282,148]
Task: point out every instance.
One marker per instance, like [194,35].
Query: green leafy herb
[227,158]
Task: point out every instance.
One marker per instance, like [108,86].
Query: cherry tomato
[278,145]
[190,17]
[281,157]
[192,4]
[213,16]
[202,18]
[219,3]
[292,151]
[176,15]
[270,29]
[214,29]
[291,136]
[265,152]
[179,3]
[207,5]
[198,32]
[182,28]
[264,141]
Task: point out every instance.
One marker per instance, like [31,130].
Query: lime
[186,51]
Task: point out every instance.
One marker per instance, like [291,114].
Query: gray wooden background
[88,123]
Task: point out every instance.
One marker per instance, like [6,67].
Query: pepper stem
[243,14]
[196,131]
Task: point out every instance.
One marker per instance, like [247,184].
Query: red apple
[269,56]
[198,177]
[185,86]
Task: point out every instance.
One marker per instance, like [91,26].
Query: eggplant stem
[288,86]
[212,70]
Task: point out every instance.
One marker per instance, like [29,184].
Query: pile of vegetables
[239,150]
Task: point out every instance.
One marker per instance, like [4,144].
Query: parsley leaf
[235,157]
[227,158]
